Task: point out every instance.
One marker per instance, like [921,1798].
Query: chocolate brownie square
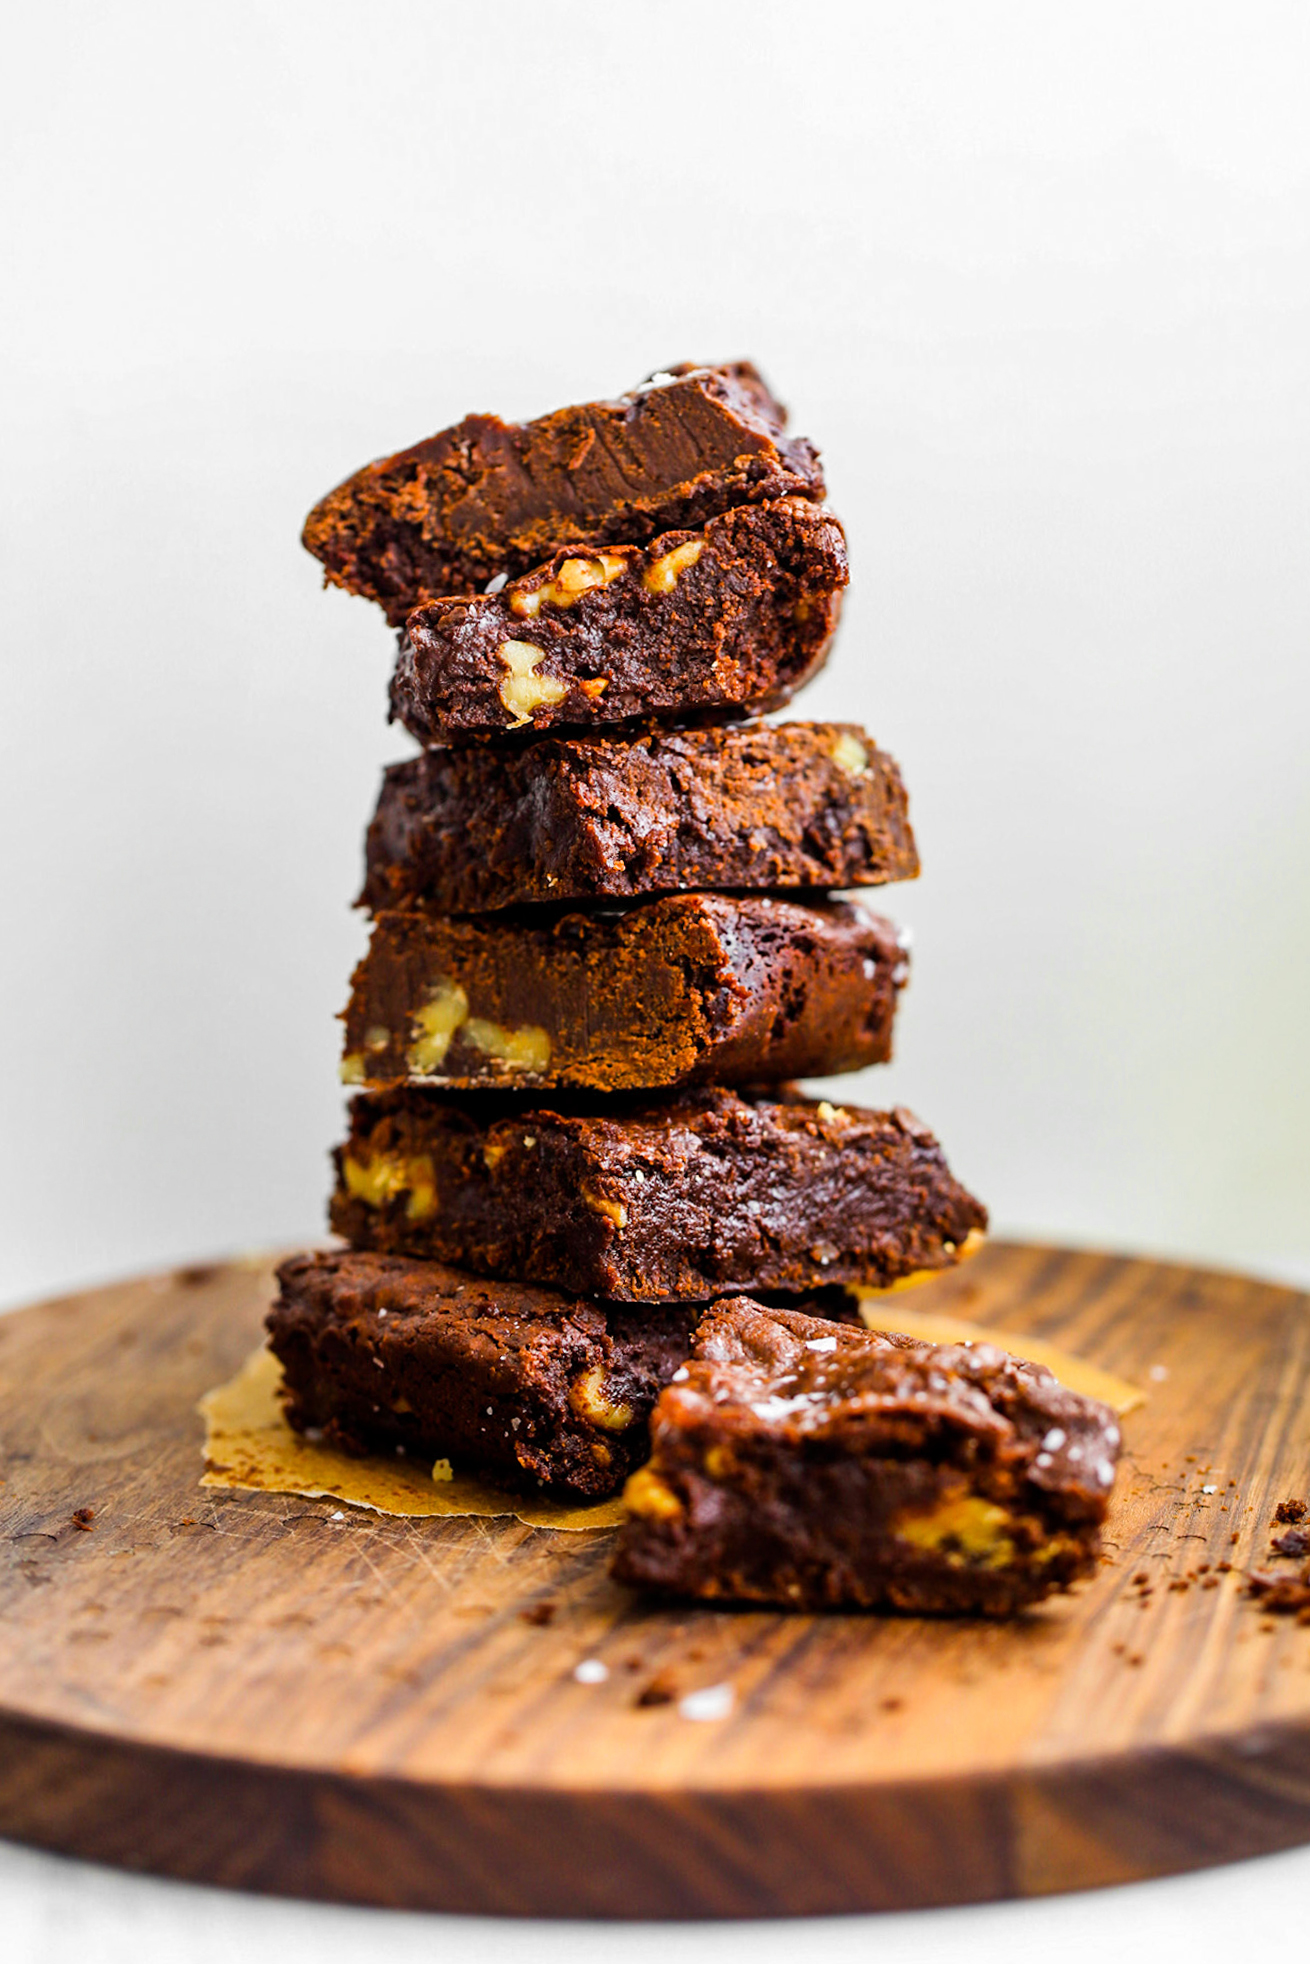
[697,1195]
[821,1467]
[488,497]
[728,620]
[688,987]
[752,806]
[524,1386]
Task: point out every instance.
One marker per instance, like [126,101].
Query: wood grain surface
[280,1694]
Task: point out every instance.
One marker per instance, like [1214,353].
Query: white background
[1036,278]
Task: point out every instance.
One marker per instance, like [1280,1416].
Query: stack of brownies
[603,945]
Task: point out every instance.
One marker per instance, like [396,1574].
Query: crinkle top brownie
[690,1196]
[815,1466]
[723,621]
[487,497]
[747,806]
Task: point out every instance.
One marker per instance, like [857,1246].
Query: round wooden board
[279,1694]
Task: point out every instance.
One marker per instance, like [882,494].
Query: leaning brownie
[521,1385]
[753,806]
[487,497]
[688,987]
[693,1196]
[819,1467]
[727,620]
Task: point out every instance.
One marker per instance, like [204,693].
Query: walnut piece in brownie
[698,1195]
[525,1386]
[748,806]
[819,1467]
[728,620]
[488,497]
[688,987]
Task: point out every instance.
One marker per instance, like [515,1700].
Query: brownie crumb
[662,1690]
[84,1518]
[1282,1595]
[539,1614]
[1289,1512]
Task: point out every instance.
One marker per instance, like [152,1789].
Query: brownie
[524,1386]
[488,497]
[683,988]
[722,621]
[697,1195]
[820,1467]
[750,806]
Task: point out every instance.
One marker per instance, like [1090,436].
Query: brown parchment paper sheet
[249,1444]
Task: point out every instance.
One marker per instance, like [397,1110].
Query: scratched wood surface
[278,1694]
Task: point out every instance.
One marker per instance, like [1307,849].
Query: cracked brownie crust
[488,497]
[727,620]
[685,988]
[754,806]
[689,1197]
[819,1467]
